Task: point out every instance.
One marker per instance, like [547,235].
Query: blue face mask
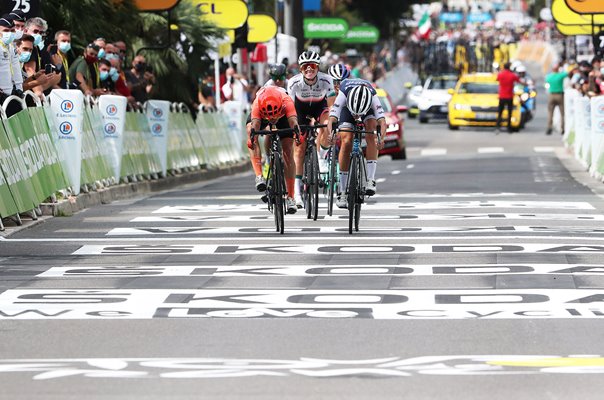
[24,56]
[101,53]
[104,75]
[7,37]
[37,39]
[114,74]
[111,56]
[64,47]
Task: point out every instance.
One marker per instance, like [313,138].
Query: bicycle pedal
[264,198]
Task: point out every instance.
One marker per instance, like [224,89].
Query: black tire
[452,127]
[401,155]
[352,192]
[423,119]
[306,181]
[314,185]
[278,191]
[331,181]
[357,216]
[411,115]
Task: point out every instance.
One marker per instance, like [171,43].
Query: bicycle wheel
[352,192]
[331,180]
[278,190]
[306,180]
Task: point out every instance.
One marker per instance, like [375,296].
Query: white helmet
[359,100]
[309,57]
[338,72]
[520,69]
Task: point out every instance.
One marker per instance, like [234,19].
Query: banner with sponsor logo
[597,132]
[11,200]
[67,108]
[113,114]
[158,115]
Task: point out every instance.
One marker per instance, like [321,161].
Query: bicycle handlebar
[309,127]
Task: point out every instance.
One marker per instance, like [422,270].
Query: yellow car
[475,100]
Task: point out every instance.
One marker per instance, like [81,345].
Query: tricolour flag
[424,26]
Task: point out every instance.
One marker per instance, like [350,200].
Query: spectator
[106,83]
[84,71]
[37,28]
[18,18]
[62,57]
[101,42]
[117,77]
[25,47]
[140,79]
[554,82]
[121,46]
[506,80]
[205,93]
[235,88]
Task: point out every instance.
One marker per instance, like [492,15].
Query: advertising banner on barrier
[67,108]
[234,110]
[158,115]
[597,132]
[8,206]
[113,112]
[586,144]
[580,116]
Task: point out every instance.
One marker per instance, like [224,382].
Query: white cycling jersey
[300,91]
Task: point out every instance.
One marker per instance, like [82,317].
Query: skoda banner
[158,114]
[67,108]
[362,34]
[325,28]
[113,113]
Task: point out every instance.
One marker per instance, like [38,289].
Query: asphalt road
[477,273]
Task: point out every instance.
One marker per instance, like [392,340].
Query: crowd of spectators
[33,59]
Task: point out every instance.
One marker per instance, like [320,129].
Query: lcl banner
[67,108]
[113,113]
[158,115]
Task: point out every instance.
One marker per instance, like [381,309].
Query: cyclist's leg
[346,126]
[323,140]
[371,153]
[256,160]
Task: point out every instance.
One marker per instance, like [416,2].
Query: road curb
[69,206]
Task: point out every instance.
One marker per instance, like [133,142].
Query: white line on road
[410,166]
[433,152]
[484,150]
[395,172]
[543,149]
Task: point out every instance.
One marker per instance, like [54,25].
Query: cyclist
[338,72]
[357,98]
[313,94]
[277,74]
[274,107]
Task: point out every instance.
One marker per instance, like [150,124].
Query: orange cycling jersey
[288,110]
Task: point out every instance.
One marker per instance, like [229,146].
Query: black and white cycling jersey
[376,111]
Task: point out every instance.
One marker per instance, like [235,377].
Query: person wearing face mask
[116,76]
[19,19]
[102,43]
[62,57]
[107,84]
[25,46]
[140,80]
[37,28]
[85,71]
[11,79]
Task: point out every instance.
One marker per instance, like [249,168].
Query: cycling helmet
[520,69]
[338,72]
[359,100]
[270,102]
[309,57]
[277,71]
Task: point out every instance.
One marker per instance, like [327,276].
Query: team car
[394,142]
[474,102]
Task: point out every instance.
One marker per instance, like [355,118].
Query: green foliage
[178,56]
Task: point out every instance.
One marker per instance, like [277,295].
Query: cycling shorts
[312,110]
[347,121]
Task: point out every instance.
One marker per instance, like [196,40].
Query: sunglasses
[304,67]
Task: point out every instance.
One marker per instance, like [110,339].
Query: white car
[434,99]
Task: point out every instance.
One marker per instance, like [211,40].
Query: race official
[11,78]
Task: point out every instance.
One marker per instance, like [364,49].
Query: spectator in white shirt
[235,88]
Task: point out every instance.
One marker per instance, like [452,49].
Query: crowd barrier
[584,130]
[74,144]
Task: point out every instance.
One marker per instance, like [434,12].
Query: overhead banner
[325,28]
[67,108]
[158,115]
[261,28]
[226,14]
[586,6]
[113,114]
[362,34]
[155,5]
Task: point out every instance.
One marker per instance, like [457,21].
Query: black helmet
[277,71]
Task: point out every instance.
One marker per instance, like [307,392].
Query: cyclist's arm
[338,105]
[378,110]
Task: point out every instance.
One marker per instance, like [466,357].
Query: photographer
[140,79]
[235,88]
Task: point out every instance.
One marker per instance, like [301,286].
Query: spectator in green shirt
[555,88]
